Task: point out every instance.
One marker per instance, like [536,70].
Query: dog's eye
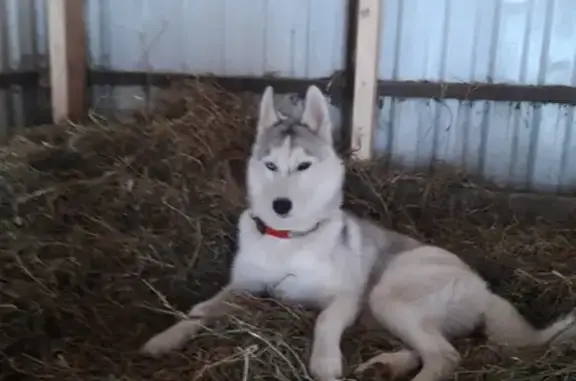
[303,166]
[271,166]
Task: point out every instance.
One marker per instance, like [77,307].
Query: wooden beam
[364,109]
[67,45]
[5,119]
[498,92]
[396,89]
[328,85]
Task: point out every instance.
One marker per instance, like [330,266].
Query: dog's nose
[282,206]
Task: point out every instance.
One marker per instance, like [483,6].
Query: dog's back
[386,243]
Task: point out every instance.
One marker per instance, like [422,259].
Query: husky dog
[298,245]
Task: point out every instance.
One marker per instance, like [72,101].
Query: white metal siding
[530,42]
[296,38]
[23,36]
[503,41]
[22,47]
[517,145]
[511,41]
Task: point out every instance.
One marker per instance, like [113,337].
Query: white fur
[310,191]
[422,294]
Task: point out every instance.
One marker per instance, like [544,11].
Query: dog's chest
[300,275]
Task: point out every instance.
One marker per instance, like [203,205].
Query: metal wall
[510,41]
[22,47]
[532,42]
[296,39]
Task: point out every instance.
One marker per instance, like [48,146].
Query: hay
[109,229]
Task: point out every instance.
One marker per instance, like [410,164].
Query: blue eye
[303,166]
[271,166]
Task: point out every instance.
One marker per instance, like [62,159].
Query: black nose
[282,206]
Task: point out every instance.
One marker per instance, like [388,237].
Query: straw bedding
[109,229]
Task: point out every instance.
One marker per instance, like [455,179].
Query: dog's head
[294,175]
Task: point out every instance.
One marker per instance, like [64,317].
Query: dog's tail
[505,325]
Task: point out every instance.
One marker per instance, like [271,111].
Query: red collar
[284,234]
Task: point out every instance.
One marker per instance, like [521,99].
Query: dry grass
[108,229]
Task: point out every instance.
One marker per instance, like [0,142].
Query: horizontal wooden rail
[333,86]
[19,78]
[479,91]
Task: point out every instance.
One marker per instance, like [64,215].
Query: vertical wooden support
[366,78]
[5,119]
[67,45]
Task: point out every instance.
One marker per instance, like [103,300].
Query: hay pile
[108,229]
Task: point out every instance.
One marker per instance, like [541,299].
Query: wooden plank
[347,79]
[398,89]
[5,86]
[367,52]
[19,78]
[27,34]
[499,92]
[67,45]
[328,85]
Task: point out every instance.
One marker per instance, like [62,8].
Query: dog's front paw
[171,339]
[327,365]
[161,344]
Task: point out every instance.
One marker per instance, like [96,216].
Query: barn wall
[294,39]
[22,47]
[529,42]
[523,145]
[297,38]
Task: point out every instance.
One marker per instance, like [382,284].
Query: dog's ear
[268,115]
[316,115]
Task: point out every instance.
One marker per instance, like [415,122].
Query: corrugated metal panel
[22,34]
[508,41]
[22,47]
[297,38]
[517,145]
[521,145]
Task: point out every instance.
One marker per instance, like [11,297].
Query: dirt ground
[109,229]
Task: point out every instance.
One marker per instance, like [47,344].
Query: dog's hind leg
[404,319]
[397,363]
[439,357]
[178,334]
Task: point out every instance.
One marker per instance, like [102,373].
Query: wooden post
[67,46]
[367,55]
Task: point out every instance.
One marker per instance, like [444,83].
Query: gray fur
[388,243]
[299,134]
[422,294]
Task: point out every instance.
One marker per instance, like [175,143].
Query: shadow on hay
[108,229]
